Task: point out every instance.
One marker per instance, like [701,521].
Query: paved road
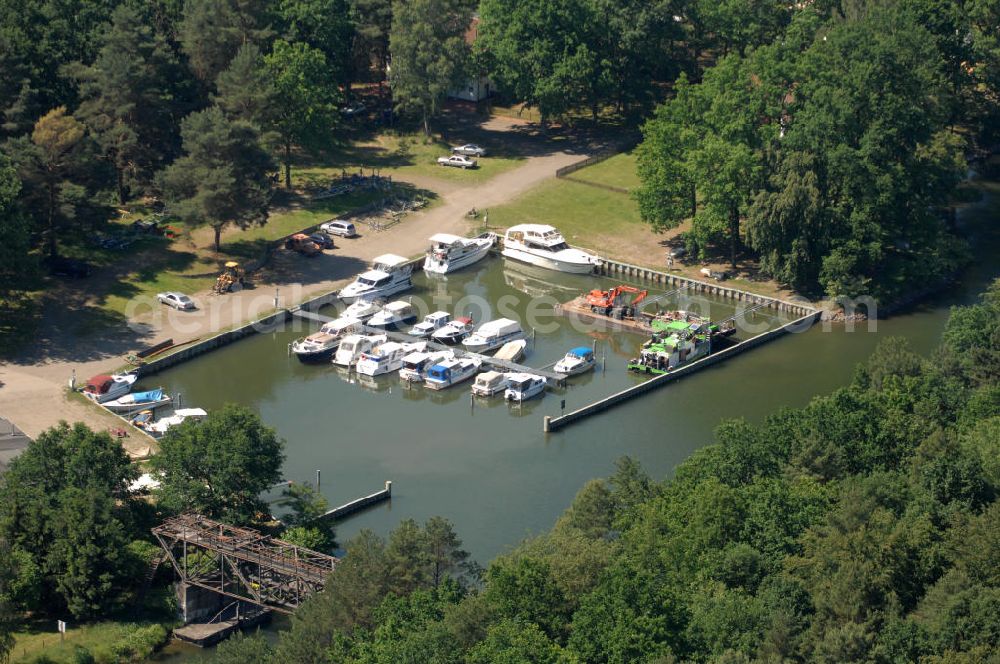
[33,389]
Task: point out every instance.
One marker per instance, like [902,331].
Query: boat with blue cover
[138,401]
[577,361]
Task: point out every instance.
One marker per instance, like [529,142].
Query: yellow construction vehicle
[231,279]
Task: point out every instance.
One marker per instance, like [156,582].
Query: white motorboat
[523,386]
[454,332]
[138,401]
[105,387]
[162,425]
[363,309]
[446,373]
[417,362]
[451,252]
[320,346]
[489,383]
[492,335]
[544,246]
[388,274]
[577,361]
[353,345]
[386,358]
[430,324]
[393,316]
[511,351]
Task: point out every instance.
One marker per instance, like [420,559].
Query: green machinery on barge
[675,343]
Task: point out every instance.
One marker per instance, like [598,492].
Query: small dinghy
[138,401]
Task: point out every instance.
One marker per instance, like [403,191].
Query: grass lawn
[618,171]
[402,155]
[130,638]
[604,221]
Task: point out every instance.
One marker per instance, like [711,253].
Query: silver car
[457,160]
[176,300]
[469,149]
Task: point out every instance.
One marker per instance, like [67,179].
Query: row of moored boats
[114,392]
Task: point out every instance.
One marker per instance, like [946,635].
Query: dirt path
[33,387]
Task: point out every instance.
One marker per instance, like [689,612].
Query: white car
[470,150]
[457,160]
[339,227]
[176,300]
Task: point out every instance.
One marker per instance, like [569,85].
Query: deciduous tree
[220,466]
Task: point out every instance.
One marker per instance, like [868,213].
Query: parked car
[469,150]
[303,244]
[322,239]
[178,301]
[457,160]
[354,108]
[74,268]
[339,227]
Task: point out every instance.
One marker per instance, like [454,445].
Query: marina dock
[551,377]
[359,504]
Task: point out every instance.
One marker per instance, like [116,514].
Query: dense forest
[822,140]
[864,527]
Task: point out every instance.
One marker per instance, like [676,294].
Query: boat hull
[455,380]
[547,262]
[519,397]
[434,266]
[129,408]
[574,370]
[351,296]
[393,325]
[315,356]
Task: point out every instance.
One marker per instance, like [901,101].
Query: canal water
[488,467]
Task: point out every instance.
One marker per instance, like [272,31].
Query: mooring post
[317,479]
[388,487]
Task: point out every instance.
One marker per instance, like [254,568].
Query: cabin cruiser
[489,383]
[523,386]
[454,332]
[417,362]
[493,335]
[162,425]
[451,252]
[446,373]
[353,345]
[103,387]
[430,324]
[138,401]
[544,246]
[512,351]
[388,274]
[320,346]
[393,316]
[363,309]
[386,358]
[577,361]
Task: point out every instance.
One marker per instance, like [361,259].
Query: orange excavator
[614,302]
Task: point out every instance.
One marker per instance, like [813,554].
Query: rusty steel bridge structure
[242,563]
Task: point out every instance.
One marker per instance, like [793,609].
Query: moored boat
[385,358]
[363,309]
[137,401]
[523,386]
[448,252]
[451,372]
[431,323]
[454,332]
[353,345]
[389,274]
[489,383]
[576,361]
[320,346]
[544,246]
[415,364]
[104,387]
[393,316]
[673,345]
[493,334]
[512,351]
[162,425]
